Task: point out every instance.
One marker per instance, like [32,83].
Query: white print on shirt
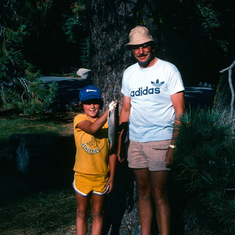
[90,151]
[91,145]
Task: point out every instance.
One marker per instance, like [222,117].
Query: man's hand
[169,157]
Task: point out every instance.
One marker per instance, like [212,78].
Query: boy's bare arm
[112,165]
[92,127]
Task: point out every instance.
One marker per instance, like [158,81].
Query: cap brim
[91,98]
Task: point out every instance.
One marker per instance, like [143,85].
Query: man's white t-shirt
[152,114]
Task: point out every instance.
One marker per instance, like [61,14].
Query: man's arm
[179,106]
[123,121]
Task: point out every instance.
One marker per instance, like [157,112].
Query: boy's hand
[112,105]
[109,185]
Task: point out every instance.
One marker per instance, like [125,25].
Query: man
[153,100]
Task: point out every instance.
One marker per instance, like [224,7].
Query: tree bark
[110,24]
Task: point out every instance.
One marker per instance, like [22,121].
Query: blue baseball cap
[90,92]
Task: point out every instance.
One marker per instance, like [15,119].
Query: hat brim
[136,43]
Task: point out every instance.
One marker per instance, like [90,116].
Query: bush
[29,95]
[20,87]
[204,163]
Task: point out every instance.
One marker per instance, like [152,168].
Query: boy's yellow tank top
[92,152]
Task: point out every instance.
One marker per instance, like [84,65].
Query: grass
[40,213]
[42,201]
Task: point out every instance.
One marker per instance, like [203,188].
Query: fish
[113,127]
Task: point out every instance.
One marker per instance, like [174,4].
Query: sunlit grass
[26,126]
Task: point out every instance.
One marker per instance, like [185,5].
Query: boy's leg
[83,208]
[159,190]
[97,213]
[142,177]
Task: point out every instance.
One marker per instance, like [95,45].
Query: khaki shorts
[85,184]
[149,155]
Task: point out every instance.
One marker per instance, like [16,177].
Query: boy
[94,168]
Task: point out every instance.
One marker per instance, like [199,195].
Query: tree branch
[230,85]
[230,67]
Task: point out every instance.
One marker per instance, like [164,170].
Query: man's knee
[159,196]
[143,190]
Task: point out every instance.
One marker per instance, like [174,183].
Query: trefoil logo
[157,84]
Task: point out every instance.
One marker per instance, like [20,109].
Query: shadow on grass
[41,199]
[45,172]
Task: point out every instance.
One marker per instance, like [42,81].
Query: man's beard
[146,63]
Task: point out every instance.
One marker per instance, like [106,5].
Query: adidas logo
[148,91]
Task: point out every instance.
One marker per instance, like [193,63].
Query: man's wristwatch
[172,146]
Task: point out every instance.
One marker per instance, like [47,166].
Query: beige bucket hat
[139,35]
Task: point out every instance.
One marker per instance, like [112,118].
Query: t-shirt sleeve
[125,87]
[79,118]
[175,84]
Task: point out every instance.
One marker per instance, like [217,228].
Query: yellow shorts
[84,184]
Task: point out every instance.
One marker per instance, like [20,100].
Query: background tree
[20,87]
[56,44]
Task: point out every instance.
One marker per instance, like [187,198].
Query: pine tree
[204,163]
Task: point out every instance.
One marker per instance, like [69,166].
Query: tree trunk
[110,24]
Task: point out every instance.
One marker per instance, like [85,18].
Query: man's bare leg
[159,191]
[143,181]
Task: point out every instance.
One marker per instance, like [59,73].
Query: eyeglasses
[143,46]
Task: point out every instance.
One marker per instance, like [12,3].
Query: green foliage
[35,99]
[204,163]
[76,29]
[217,20]
[20,87]
[85,53]
[75,21]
